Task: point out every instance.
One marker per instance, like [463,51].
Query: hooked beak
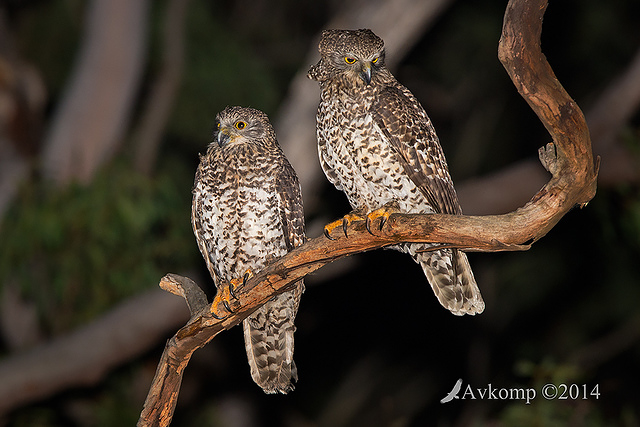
[365,73]
[223,137]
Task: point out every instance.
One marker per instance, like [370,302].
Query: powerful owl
[247,211]
[377,145]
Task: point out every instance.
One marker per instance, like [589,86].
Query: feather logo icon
[453,394]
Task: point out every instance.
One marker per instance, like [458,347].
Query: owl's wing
[198,211]
[325,146]
[291,214]
[406,126]
[290,204]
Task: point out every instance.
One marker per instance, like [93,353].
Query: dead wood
[573,183]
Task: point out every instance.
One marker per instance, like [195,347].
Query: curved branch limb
[512,231]
[186,288]
[520,53]
[84,357]
[569,159]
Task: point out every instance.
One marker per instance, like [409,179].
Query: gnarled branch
[568,159]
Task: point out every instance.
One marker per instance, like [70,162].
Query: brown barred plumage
[377,144]
[246,211]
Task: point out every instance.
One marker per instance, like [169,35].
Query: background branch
[148,135]
[91,120]
[98,347]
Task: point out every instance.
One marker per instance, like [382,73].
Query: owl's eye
[240,125]
[375,60]
[218,126]
[349,60]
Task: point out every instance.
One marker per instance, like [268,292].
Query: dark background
[373,346]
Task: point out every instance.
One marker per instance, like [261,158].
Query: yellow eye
[218,126]
[374,60]
[240,125]
[349,60]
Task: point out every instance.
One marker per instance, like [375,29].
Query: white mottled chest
[358,159]
[240,219]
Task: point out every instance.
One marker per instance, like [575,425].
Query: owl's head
[355,56]
[243,125]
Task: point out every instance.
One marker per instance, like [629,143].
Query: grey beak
[365,74]
[223,137]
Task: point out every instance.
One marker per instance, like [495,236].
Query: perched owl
[378,146]
[247,211]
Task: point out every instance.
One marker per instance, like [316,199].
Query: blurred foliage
[221,73]
[77,251]
[233,58]
[571,400]
[60,24]
[111,404]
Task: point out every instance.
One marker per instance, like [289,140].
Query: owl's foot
[223,297]
[226,293]
[383,213]
[344,222]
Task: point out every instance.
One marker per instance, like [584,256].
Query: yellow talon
[330,227]
[227,292]
[384,213]
[223,297]
[344,222]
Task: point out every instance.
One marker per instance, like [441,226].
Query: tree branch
[148,133]
[85,356]
[573,182]
[90,121]
[608,116]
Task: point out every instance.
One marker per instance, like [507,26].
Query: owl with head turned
[246,212]
[377,145]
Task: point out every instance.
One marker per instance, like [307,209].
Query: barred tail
[268,337]
[460,296]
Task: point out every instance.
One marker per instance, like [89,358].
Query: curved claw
[344,222]
[238,283]
[383,213]
[368,225]
[216,316]
[327,234]
[332,226]
[232,292]
[383,221]
[247,275]
[226,305]
[223,296]
[345,226]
